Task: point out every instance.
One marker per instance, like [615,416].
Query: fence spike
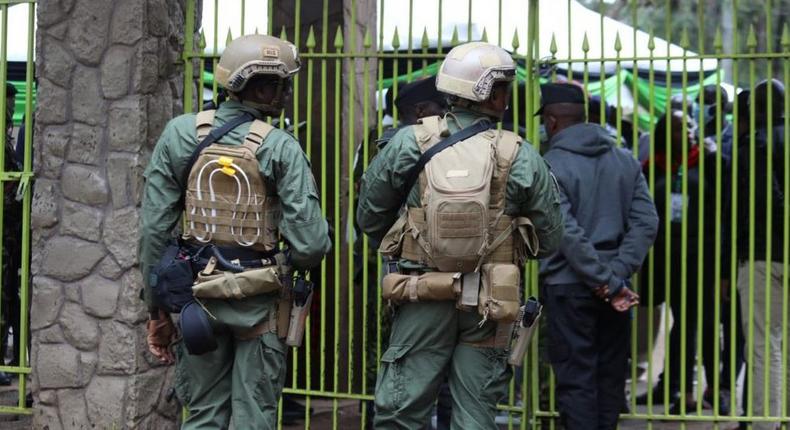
[618,45]
[651,42]
[553,46]
[585,44]
[751,40]
[454,40]
[484,38]
[684,39]
[310,43]
[339,38]
[718,43]
[283,34]
[367,41]
[229,38]
[395,40]
[202,41]
[515,41]
[786,37]
[425,43]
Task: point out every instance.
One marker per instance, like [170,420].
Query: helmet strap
[477,108]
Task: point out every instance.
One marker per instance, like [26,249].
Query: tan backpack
[461,223]
[227,203]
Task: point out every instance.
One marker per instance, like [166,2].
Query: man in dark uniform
[12,243]
[610,224]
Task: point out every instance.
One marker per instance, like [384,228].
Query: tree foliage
[702,19]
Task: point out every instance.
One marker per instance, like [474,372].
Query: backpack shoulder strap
[204,120]
[430,130]
[257,134]
[507,146]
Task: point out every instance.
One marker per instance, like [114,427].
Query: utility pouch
[392,242]
[300,308]
[499,292]
[527,244]
[217,284]
[171,280]
[525,327]
[470,289]
[430,286]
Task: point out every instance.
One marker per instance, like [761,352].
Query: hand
[725,290]
[602,292]
[624,300]
[160,334]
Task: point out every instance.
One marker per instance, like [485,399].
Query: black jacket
[610,219]
[761,194]
[668,183]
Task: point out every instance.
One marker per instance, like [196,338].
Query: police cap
[419,91]
[559,93]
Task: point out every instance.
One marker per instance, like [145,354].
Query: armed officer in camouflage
[243,376]
[441,240]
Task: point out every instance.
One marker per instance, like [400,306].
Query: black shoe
[658,396]
[293,411]
[5,379]
[691,408]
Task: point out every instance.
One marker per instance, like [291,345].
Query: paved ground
[9,397]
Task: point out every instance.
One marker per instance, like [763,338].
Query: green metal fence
[17,19]
[638,72]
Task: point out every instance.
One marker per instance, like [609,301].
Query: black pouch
[172,279]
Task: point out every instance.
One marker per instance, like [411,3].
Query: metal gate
[671,59]
[17,20]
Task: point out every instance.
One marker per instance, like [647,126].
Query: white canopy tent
[566,21]
[18,20]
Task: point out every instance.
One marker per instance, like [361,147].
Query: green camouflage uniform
[240,378]
[431,339]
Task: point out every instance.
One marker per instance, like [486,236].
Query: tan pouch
[527,243]
[393,241]
[499,292]
[431,286]
[228,285]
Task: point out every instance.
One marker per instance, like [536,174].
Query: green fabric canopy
[606,89]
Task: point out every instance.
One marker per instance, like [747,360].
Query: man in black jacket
[762,210]
[610,224]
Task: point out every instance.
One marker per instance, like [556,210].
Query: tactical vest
[227,201]
[461,223]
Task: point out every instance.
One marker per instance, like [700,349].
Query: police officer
[432,339]
[610,224]
[242,378]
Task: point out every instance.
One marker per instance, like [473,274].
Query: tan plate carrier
[231,217]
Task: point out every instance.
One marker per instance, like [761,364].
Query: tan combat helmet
[253,55]
[470,71]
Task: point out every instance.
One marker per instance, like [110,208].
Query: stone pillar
[109,78]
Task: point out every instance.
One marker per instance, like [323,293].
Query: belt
[233,259]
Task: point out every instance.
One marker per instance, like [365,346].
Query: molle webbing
[413,250]
[227,202]
[501,248]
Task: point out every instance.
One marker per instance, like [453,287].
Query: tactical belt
[245,258]
[268,326]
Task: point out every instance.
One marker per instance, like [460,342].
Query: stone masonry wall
[109,78]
